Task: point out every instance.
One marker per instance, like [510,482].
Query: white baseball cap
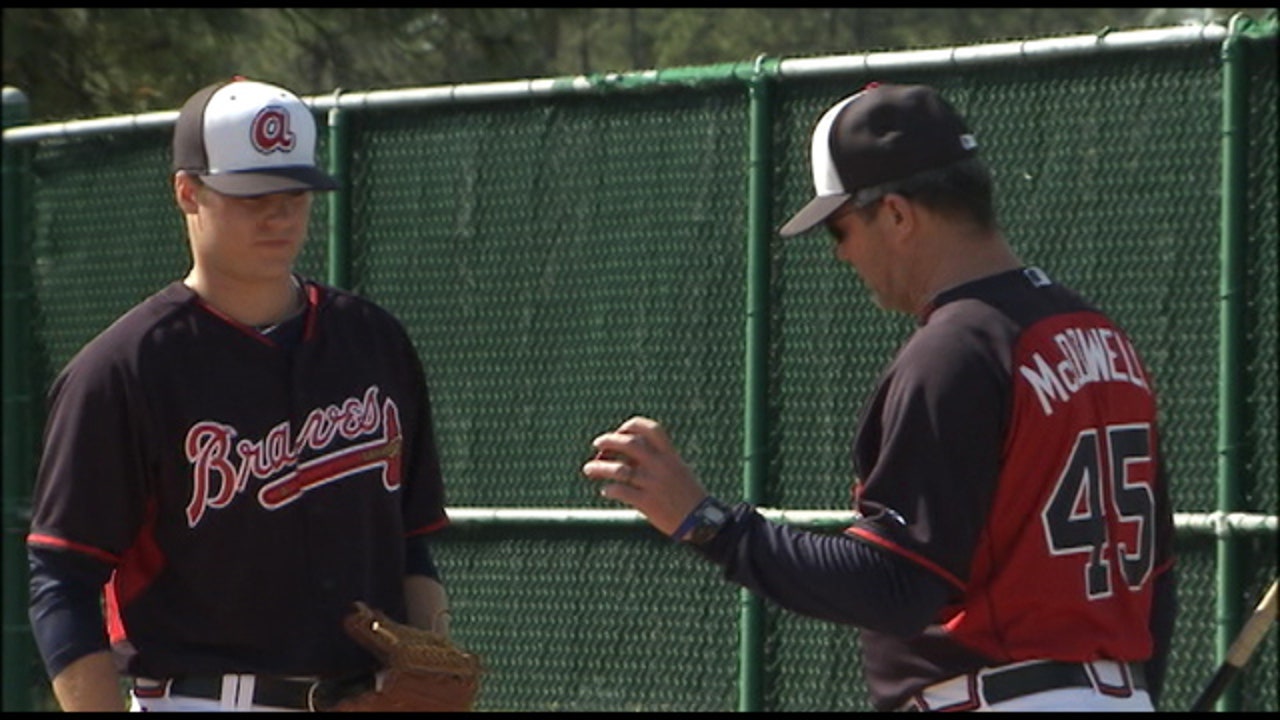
[247,138]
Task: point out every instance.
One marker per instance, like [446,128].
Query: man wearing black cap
[1012,542]
[238,459]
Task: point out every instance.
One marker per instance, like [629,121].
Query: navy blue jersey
[244,492]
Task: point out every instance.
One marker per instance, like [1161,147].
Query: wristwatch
[704,522]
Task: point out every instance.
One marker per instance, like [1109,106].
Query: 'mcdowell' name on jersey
[1083,355]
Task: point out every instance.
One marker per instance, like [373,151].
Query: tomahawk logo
[270,130]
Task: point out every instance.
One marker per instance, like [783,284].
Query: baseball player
[237,460]
[1012,541]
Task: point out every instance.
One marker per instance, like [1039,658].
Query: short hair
[964,189]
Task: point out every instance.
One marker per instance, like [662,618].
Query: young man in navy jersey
[237,459]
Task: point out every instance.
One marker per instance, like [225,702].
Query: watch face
[711,518]
[702,534]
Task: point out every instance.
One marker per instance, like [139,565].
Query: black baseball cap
[247,138]
[880,134]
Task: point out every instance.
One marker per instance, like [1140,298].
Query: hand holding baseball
[639,466]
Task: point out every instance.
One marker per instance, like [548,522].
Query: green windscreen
[565,262]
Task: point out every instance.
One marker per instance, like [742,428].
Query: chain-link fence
[568,253]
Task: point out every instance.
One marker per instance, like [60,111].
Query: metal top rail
[1216,523]
[1022,51]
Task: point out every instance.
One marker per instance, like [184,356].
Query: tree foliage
[84,62]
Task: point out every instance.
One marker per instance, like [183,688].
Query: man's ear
[900,213]
[186,189]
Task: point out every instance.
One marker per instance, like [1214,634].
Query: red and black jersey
[1010,497]
[244,491]
[1011,450]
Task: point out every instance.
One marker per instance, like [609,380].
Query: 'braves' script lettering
[222,466]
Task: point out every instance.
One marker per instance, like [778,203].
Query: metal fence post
[1231,307]
[18,645]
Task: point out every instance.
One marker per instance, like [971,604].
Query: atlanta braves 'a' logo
[366,428]
[270,130]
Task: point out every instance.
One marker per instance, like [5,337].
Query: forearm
[829,577]
[65,612]
[427,603]
[90,684]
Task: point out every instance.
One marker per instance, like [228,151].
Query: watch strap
[703,522]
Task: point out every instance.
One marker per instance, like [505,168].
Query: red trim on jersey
[313,301]
[58,543]
[425,529]
[251,332]
[115,625]
[138,568]
[920,560]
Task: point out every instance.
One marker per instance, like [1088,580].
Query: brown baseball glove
[422,670]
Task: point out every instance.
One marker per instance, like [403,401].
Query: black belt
[1004,685]
[996,686]
[276,691]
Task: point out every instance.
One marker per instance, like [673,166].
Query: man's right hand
[90,683]
[638,465]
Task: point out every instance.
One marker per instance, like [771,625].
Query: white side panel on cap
[829,193]
[826,181]
[254,126]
